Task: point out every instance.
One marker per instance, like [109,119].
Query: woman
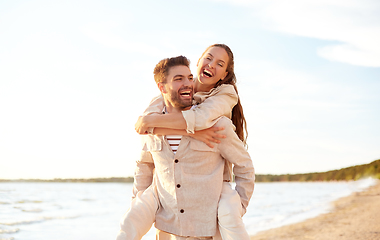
[216,96]
[215,88]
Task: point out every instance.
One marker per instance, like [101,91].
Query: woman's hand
[141,125]
[209,135]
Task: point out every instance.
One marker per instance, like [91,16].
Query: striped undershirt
[174,141]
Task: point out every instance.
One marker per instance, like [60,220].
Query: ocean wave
[14,230]
[35,210]
[29,201]
[87,199]
[36,220]
[363,184]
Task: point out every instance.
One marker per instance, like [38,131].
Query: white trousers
[138,220]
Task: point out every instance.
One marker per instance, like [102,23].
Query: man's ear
[161,87]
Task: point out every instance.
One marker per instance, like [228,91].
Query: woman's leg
[138,220]
[230,213]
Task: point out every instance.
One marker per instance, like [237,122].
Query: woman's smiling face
[212,67]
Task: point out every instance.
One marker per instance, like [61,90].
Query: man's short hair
[161,70]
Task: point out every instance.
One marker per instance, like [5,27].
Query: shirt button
[182,211]
[176,160]
[178,185]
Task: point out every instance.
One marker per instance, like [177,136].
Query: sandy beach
[354,217]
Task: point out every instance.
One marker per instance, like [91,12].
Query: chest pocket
[202,160]
[152,144]
[201,146]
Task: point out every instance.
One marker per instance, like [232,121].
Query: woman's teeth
[207,73]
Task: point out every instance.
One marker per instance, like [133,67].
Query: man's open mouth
[186,93]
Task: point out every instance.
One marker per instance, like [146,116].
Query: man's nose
[188,82]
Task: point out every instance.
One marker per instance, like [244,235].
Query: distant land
[345,174]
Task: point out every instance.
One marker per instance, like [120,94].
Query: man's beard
[177,102]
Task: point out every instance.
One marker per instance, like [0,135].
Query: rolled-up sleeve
[143,173]
[189,117]
[155,106]
[218,102]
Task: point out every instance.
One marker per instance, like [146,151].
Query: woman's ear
[224,76]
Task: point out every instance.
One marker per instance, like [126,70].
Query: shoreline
[354,217]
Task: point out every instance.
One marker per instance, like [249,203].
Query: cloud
[104,33]
[349,53]
[353,26]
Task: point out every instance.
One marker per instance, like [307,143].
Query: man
[187,181]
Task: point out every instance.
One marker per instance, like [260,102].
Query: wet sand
[352,218]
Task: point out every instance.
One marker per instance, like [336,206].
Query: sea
[92,211]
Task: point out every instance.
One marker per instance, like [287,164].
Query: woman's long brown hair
[237,118]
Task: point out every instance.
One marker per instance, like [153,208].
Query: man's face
[178,89]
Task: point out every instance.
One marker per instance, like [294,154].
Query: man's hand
[209,135]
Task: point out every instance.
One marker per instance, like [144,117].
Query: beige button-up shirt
[211,106]
[189,183]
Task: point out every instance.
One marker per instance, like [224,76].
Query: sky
[75,76]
